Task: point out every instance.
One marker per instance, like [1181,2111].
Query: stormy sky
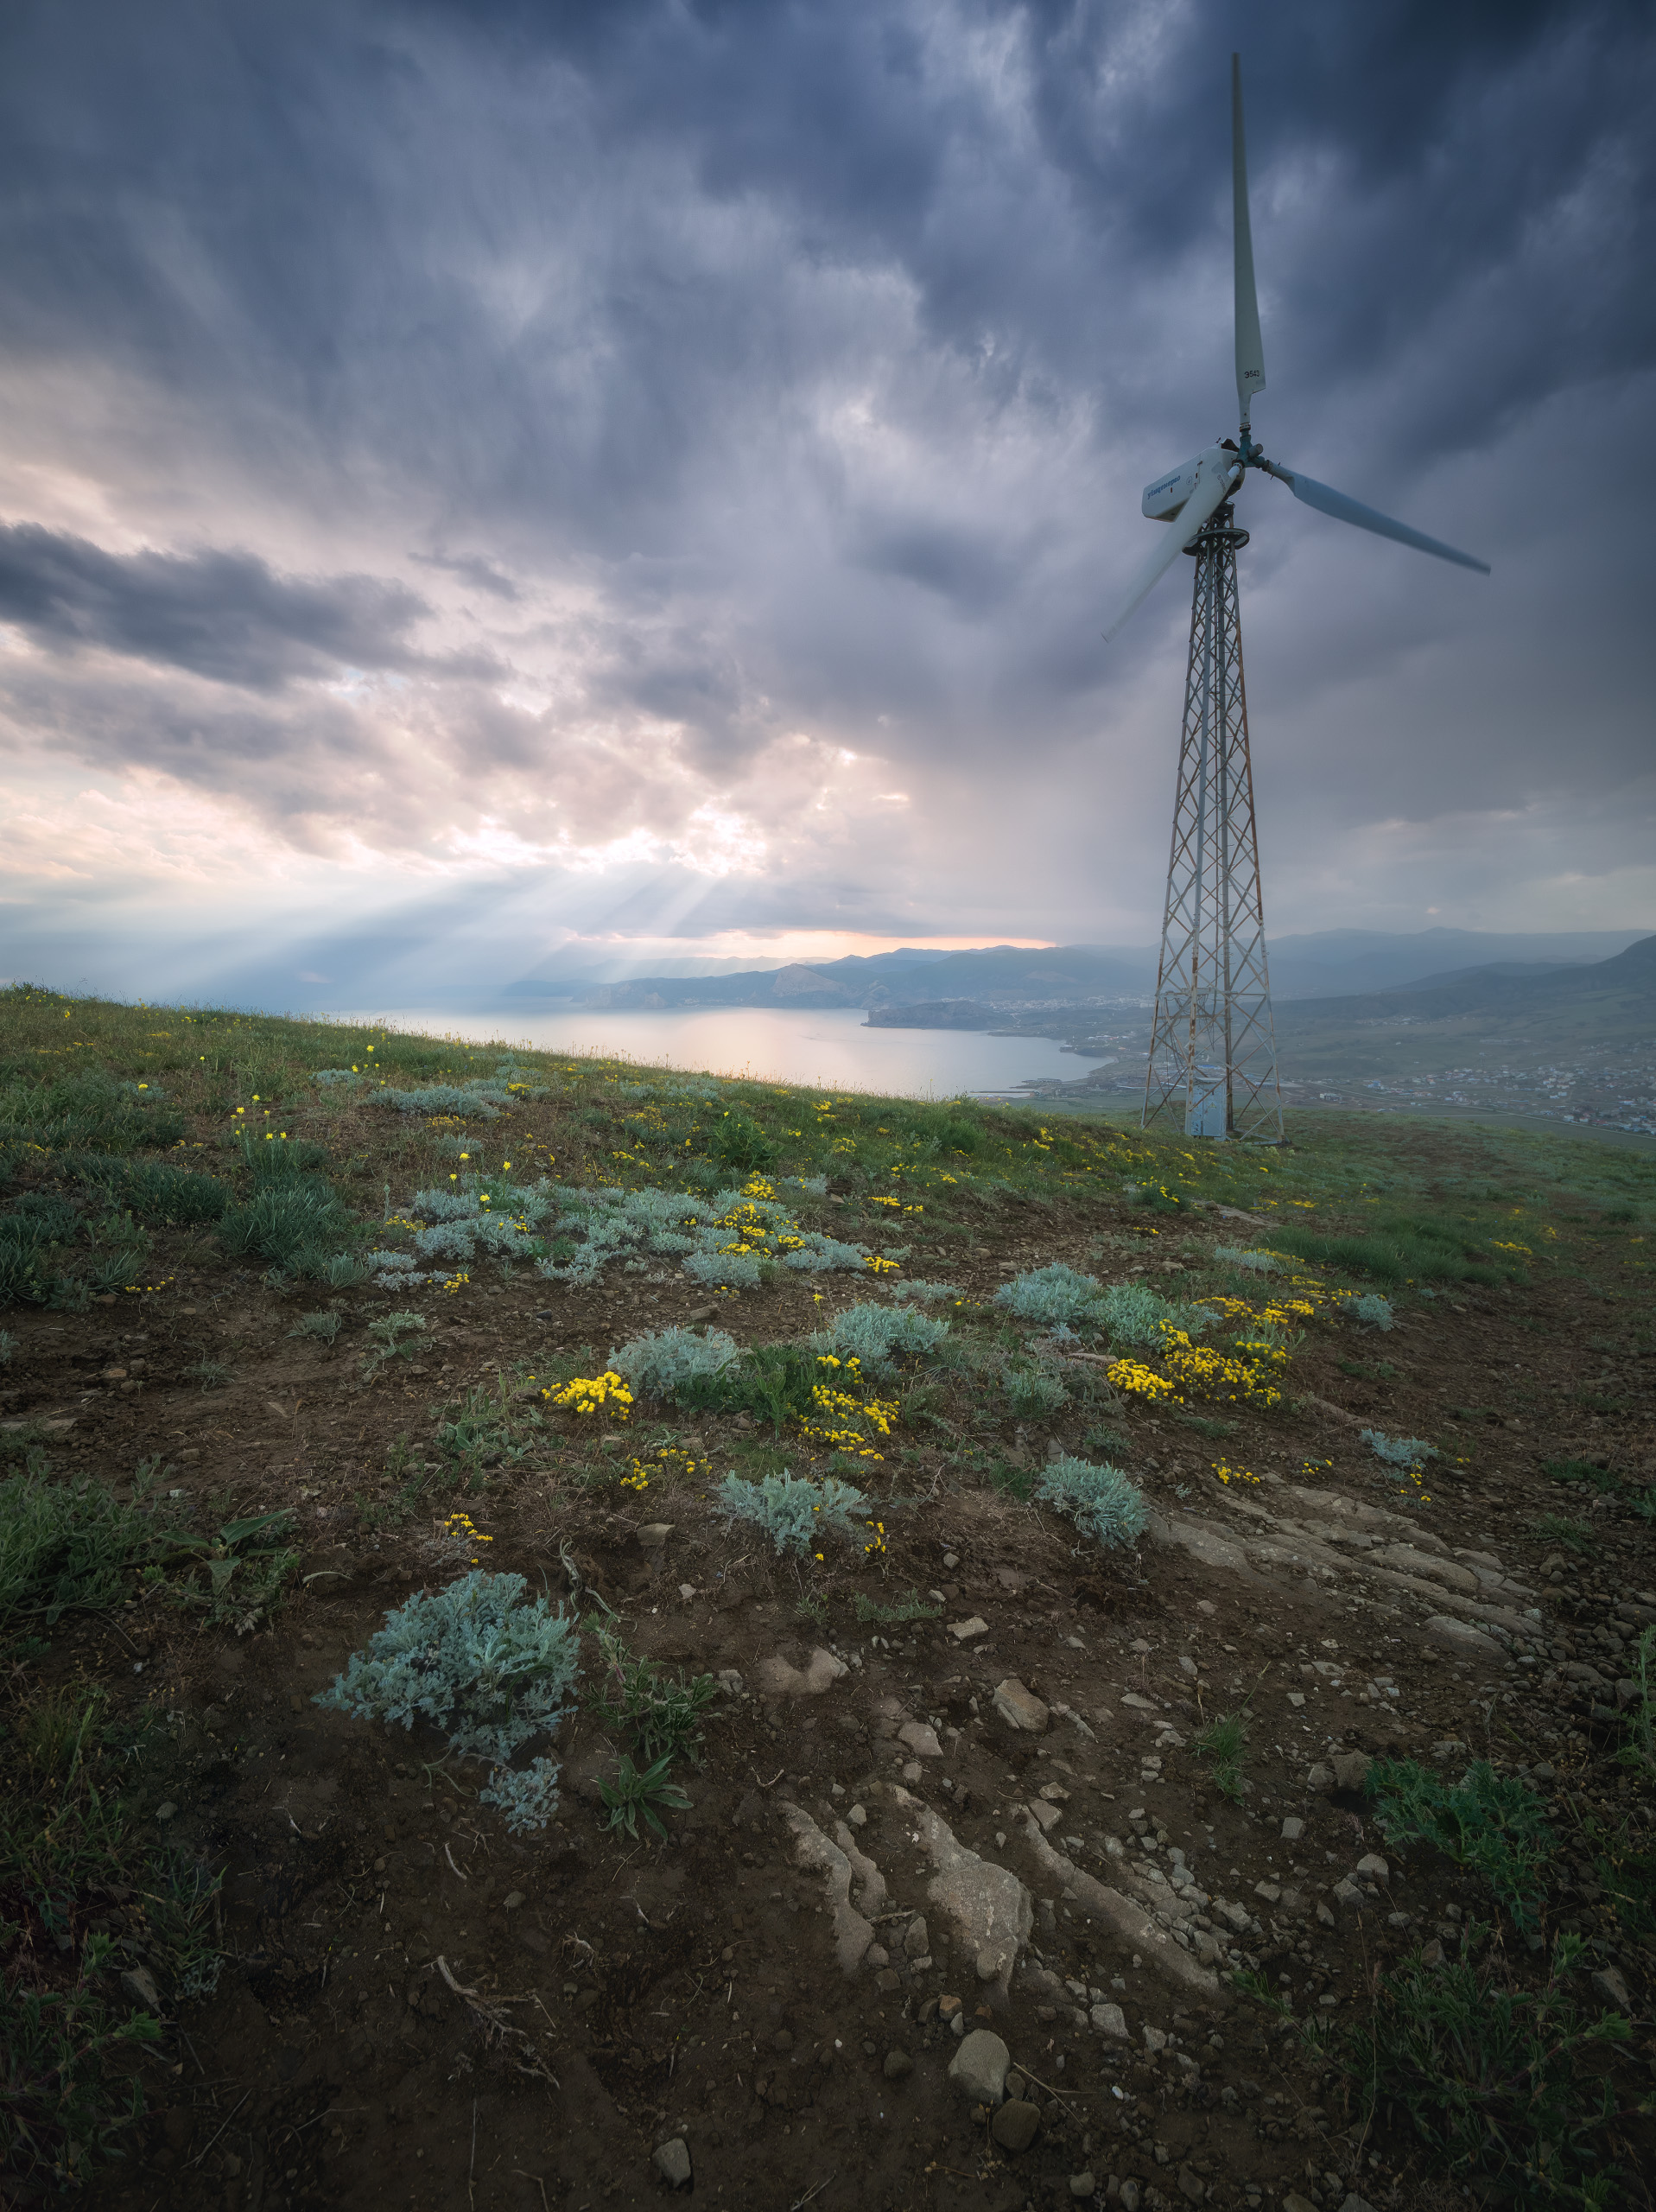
[540,483]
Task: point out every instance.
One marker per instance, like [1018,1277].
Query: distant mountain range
[1315,966]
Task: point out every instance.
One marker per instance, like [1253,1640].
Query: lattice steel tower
[1213,1049]
[1213,1052]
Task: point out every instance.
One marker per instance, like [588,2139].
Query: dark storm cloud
[225,615]
[787,367]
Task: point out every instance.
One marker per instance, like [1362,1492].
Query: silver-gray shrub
[1399,1451]
[796,1514]
[1134,1314]
[1374,1311]
[659,1364]
[924,1293]
[487,1668]
[1051,1294]
[874,1335]
[483,1099]
[1102,1501]
[1254,1261]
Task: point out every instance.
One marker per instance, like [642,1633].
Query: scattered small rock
[858,1816]
[1320,1779]
[1019,1707]
[166,1812]
[1082,2186]
[968,1632]
[1371,1864]
[1292,1829]
[1014,2127]
[921,1739]
[1607,1984]
[978,2068]
[1351,1769]
[1110,2020]
[673,2163]
[916,1943]
[1460,1636]
[898,2066]
[510,1902]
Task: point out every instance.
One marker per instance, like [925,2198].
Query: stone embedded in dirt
[921,1739]
[136,1978]
[876,1955]
[1458,1636]
[1081,2186]
[730,1682]
[653,1534]
[888,1981]
[1109,2020]
[1155,2039]
[1048,1816]
[1018,1707]
[858,1816]
[1132,2195]
[968,1632]
[898,2066]
[978,2068]
[510,1902]
[1139,1704]
[778,1679]
[1292,1829]
[1014,2127]
[915,1942]
[989,1906]
[1295,2202]
[1348,1893]
[948,2007]
[1320,1779]
[1131,1921]
[1352,2202]
[1351,1769]
[988,1966]
[673,2163]
[1371,1864]
[853,1933]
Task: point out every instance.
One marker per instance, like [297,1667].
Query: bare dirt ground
[992,1817]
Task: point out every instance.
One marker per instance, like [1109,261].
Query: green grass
[1589,1471]
[642,1793]
[1559,1528]
[1223,1743]
[1493,1825]
[1399,1248]
[911,1607]
[68,1547]
[1500,2084]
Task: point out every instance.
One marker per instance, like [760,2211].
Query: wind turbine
[1213,1052]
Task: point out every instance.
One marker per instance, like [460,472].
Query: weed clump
[1488,1822]
[1102,1501]
[1223,1741]
[1497,2082]
[795,1513]
[67,1546]
[1031,1392]
[488,1668]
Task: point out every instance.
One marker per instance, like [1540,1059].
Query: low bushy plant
[483,1100]
[663,1711]
[795,1513]
[1031,1394]
[1490,1823]
[875,1335]
[661,1363]
[1399,1451]
[323,1327]
[1048,1295]
[1253,1261]
[1102,1501]
[1374,1311]
[926,1294]
[1223,1742]
[486,1666]
[1135,1315]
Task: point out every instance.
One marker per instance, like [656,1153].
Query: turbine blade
[1214,486]
[1250,347]
[1328,501]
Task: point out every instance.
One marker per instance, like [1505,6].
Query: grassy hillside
[1085,1551]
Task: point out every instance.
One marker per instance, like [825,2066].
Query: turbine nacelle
[1164,497]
